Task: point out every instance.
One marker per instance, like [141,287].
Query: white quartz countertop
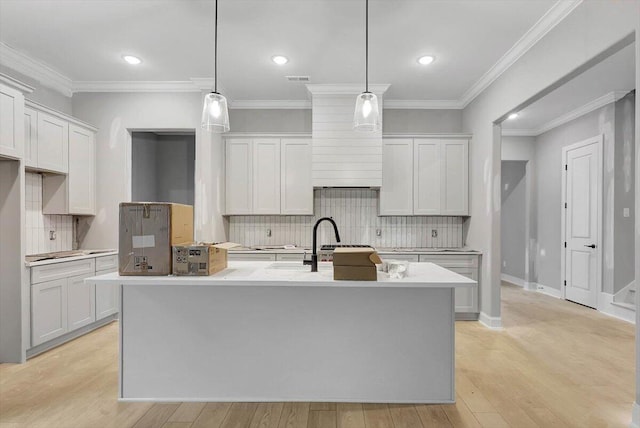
[290,274]
[380,250]
[92,255]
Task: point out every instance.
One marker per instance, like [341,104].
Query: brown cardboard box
[148,230]
[201,258]
[355,264]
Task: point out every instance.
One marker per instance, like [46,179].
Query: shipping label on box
[201,258]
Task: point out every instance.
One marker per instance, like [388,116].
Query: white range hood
[343,157]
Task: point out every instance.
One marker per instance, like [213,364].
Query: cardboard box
[148,230]
[355,264]
[201,258]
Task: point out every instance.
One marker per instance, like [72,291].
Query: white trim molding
[608,307]
[345,89]
[519,132]
[270,104]
[549,20]
[423,104]
[549,291]
[35,69]
[135,86]
[492,323]
[15,83]
[635,416]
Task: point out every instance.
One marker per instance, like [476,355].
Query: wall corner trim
[635,416]
[492,323]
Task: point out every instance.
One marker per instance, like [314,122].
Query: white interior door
[583,213]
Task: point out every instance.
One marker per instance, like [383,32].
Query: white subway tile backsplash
[356,213]
[38,224]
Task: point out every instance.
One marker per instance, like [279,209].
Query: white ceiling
[85,39]
[614,74]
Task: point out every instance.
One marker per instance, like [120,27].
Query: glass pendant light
[367,115]
[215,113]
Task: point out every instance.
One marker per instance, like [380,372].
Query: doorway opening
[163,166]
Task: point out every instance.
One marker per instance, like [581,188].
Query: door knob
[591,246]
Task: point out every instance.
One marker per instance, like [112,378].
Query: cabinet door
[53,143]
[30,138]
[426,182]
[455,177]
[82,175]
[107,297]
[266,176]
[396,193]
[48,310]
[81,309]
[11,122]
[295,179]
[239,175]
[466,298]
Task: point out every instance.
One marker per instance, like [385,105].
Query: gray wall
[162,168]
[405,121]
[624,254]
[263,120]
[41,94]
[618,258]
[513,216]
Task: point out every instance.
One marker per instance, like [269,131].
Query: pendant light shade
[367,115]
[215,112]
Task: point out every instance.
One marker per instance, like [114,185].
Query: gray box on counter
[147,233]
[201,258]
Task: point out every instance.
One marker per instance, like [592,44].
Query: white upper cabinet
[53,143]
[425,176]
[11,122]
[73,193]
[396,193]
[455,177]
[266,176]
[296,192]
[30,138]
[239,176]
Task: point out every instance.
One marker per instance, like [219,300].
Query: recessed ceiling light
[426,60]
[133,60]
[513,116]
[280,60]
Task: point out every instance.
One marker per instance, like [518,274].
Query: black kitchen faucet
[314,257]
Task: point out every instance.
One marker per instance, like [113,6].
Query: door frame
[598,141]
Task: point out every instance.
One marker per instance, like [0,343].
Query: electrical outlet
[269,233]
[434,233]
[504,263]
[378,232]
[52,235]
[625,212]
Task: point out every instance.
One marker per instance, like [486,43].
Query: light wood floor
[556,364]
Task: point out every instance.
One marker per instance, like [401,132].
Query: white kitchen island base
[231,337]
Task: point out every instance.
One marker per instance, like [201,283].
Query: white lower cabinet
[81,303]
[467,265]
[48,310]
[252,257]
[107,296]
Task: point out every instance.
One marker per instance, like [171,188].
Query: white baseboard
[635,416]
[549,291]
[606,307]
[531,286]
[493,323]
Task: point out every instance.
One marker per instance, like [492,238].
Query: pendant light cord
[215,52]
[366,43]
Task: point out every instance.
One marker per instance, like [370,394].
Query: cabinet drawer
[399,256]
[266,257]
[451,260]
[62,270]
[291,257]
[107,263]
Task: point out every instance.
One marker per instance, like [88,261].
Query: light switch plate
[625,212]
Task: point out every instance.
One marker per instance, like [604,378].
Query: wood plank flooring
[556,364]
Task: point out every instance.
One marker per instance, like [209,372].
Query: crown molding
[35,69]
[609,98]
[549,20]
[345,89]
[270,104]
[519,132]
[600,102]
[15,83]
[135,86]
[423,104]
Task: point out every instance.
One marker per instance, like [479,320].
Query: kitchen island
[265,331]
